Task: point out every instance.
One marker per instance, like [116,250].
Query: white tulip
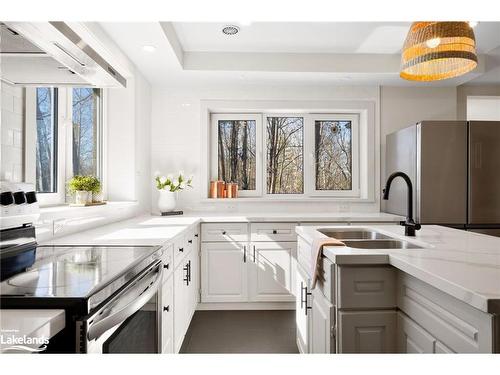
[175,182]
[181,173]
[163,179]
[183,185]
[170,177]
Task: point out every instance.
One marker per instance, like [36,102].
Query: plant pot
[167,200]
[89,197]
[81,196]
[97,197]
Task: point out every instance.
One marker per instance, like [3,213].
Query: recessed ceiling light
[473,23]
[230,29]
[149,48]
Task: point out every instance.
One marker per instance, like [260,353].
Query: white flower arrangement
[173,183]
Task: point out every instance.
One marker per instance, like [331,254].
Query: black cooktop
[91,273]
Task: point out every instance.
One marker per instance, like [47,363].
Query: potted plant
[168,186]
[84,188]
[95,189]
[78,186]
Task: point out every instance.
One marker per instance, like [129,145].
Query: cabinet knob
[196,235]
[166,308]
[190,241]
[224,232]
[167,266]
[181,249]
[275,231]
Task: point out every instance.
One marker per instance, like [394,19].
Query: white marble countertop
[28,328]
[463,264]
[150,230]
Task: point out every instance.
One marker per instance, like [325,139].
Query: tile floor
[270,331]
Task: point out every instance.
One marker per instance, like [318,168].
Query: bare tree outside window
[285,159]
[236,152]
[85,131]
[46,144]
[333,146]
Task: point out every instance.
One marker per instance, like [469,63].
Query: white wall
[176,143]
[485,108]
[12,130]
[128,142]
[404,106]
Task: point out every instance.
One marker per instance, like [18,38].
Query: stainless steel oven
[129,322]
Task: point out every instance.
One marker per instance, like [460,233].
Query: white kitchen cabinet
[367,331]
[224,272]
[272,266]
[322,340]
[194,280]
[167,316]
[412,338]
[181,304]
[302,315]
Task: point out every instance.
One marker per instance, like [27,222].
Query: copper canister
[213,189]
[221,187]
[229,189]
[234,192]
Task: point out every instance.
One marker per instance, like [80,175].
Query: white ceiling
[285,53]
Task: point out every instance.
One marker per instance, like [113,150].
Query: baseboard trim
[246,306]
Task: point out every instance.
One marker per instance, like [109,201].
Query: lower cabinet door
[367,331]
[224,272]
[302,313]
[412,338]
[167,316]
[271,268]
[322,312]
[181,304]
[194,281]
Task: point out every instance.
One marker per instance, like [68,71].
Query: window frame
[311,147]
[309,171]
[214,154]
[64,146]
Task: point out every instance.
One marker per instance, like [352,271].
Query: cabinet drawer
[260,232]
[366,287]
[326,279]
[457,326]
[168,261]
[224,232]
[180,249]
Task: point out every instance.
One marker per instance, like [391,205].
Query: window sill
[286,199]
[63,208]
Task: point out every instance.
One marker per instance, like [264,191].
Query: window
[285,155]
[238,148]
[86,131]
[63,138]
[46,140]
[333,158]
[305,154]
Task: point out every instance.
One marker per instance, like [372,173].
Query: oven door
[129,322]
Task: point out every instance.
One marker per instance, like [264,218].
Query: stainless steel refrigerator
[455,170]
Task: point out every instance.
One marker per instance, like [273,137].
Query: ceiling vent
[230,30]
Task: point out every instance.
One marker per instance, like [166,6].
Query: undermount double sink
[367,239]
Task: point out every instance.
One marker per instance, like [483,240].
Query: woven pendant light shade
[438,50]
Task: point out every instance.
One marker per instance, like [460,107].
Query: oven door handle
[99,327]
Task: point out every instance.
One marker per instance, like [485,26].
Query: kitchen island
[443,296]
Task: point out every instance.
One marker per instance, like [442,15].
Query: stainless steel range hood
[51,54]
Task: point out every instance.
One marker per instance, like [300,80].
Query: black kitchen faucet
[409,223]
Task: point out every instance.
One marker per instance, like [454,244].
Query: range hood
[51,54]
